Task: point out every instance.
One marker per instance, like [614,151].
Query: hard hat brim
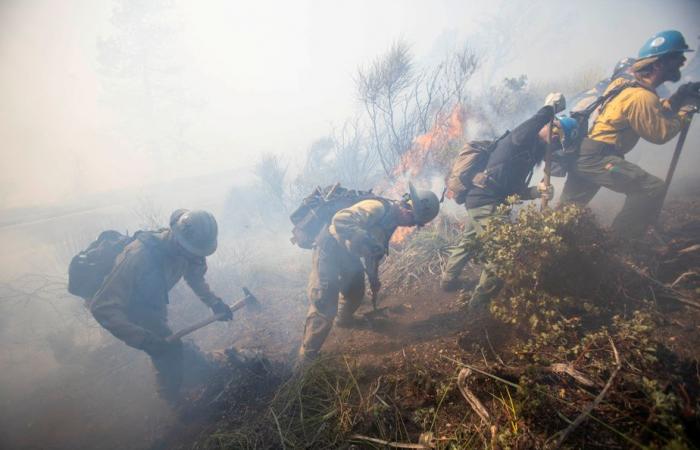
[208,250]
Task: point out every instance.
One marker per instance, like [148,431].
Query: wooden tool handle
[203,323]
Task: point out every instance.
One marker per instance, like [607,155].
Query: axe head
[250,300]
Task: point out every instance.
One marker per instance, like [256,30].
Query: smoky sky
[92,102]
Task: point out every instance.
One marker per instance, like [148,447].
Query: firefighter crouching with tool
[132,302]
[637,111]
[359,232]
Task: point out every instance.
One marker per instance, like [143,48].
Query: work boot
[450,284]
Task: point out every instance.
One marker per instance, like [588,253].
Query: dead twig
[691,249]
[469,396]
[573,373]
[498,357]
[586,412]
[683,276]
[669,292]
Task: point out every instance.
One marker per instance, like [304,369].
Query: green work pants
[597,166]
[334,272]
[461,254]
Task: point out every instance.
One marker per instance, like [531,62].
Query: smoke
[115,113]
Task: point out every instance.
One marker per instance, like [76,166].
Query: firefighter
[361,231]
[132,302]
[637,111]
[509,168]
[622,69]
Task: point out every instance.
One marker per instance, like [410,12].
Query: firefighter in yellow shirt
[637,111]
[361,231]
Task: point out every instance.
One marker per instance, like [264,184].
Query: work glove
[219,307]
[686,94]
[157,346]
[545,191]
[557,101]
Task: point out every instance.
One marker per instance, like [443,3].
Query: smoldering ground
[112,122]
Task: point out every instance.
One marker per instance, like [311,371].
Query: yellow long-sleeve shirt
[369,220]
[635,112]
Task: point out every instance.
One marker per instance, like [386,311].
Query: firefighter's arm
[194,277]
[372,266]
[649,118]
[352,225]
[110,303]
[529,129]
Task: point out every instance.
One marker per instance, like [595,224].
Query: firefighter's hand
[546,191]
[686,94]
[219,307]
[691,89]
[557,101]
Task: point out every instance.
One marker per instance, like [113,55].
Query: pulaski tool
[249,301]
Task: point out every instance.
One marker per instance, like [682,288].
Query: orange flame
[415,161]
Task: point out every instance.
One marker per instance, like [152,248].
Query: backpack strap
[154,245]
[386,221]
[604,99]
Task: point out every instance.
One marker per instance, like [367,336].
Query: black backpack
[563,158]
[318,209]
[89,268]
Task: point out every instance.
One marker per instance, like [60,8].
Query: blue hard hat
[570,128]
[662,43]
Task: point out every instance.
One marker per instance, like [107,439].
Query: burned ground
[393,380]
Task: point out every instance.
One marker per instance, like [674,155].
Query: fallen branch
[573,373]
[501,372]
[669,292]
[469,396]
[691,249]
[360,437]
[683,276]
[586,412]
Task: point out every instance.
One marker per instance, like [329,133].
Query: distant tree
[402,101]
[141,64]
[355,162]
[344,156]
[271,173]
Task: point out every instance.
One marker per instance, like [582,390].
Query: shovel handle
[548,163]
[674,160]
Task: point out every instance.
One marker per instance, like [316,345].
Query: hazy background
[115,112]
[93,99]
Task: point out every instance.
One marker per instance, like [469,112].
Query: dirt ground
[422,337]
